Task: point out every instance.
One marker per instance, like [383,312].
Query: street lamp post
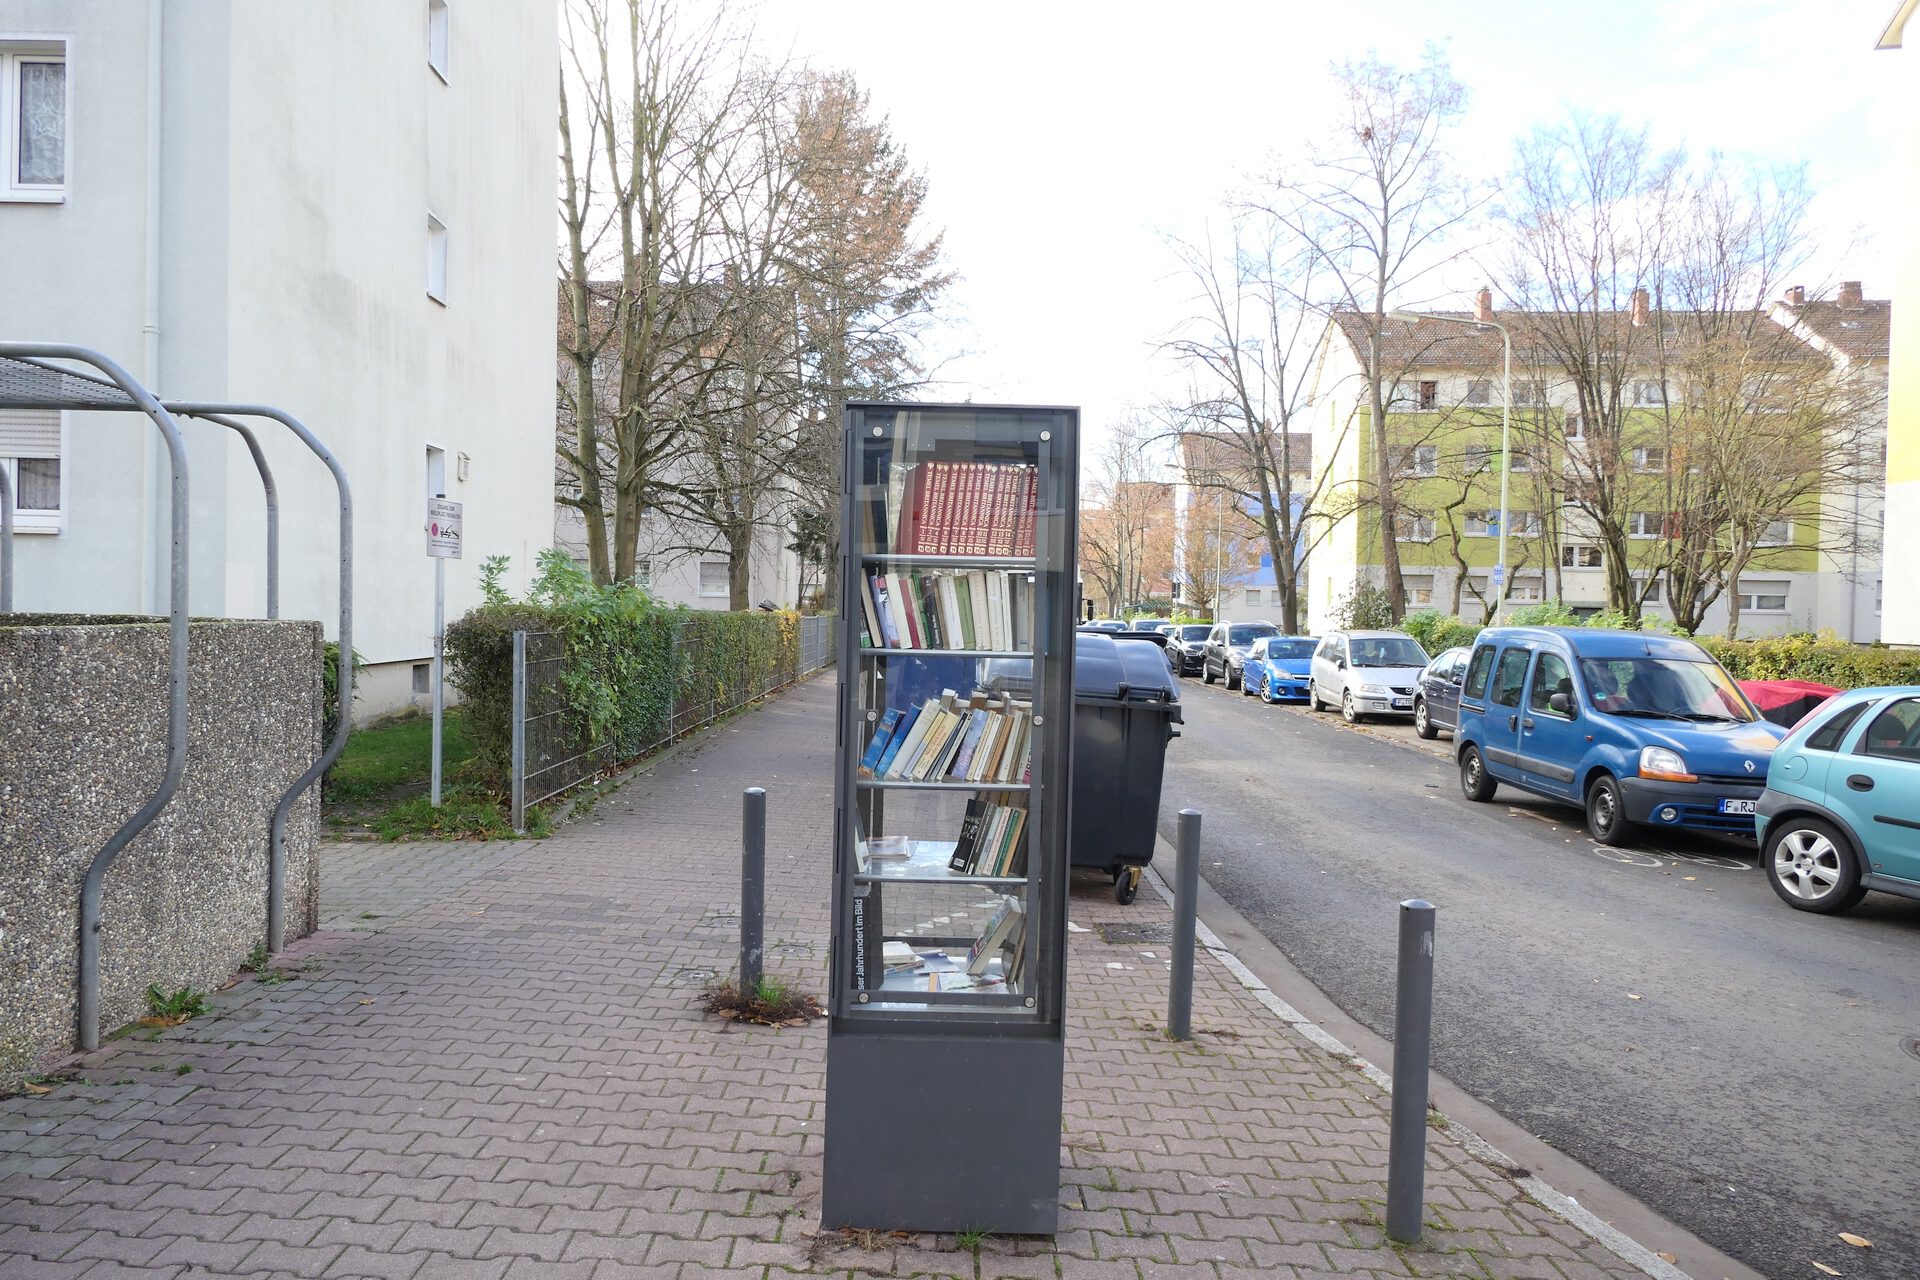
[1506,421]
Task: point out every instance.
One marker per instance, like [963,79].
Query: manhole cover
[790,951]
[1134,934]
[691,977]
[1912,1045]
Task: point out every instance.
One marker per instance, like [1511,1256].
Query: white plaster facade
[301,152]
[672,568]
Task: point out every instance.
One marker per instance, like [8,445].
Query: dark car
[1227,647]
[1146,624]
[1186,647]
[1436,696]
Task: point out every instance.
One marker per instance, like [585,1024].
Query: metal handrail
[90,888]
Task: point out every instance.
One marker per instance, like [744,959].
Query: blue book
[899,738]
[887,623]
[881,738]
[976,723]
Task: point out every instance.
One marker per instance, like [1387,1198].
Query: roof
[1859,333]
[1437,344]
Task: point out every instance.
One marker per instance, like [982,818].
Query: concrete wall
[83,747]
[303,147]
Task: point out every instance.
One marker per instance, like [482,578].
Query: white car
[1366,673]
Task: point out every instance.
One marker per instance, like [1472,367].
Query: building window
[437,37]
[1429,395]
[1646,524]
[1530,392]
[1526,591]
[1778,533]
[1581,557]
[713,579]
[1418,592]
[1412,526]
[643,574]
[34,120]
[1420,460]
[436,260]
[1650,459]
[1649,391]
[1519,460]
[1524,524]
[1479,391]
[1576,428]
[1482,524]
[30,455]
[1763,597]
[1478,457]
[1486,524]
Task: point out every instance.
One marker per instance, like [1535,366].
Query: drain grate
[1136,934]
[691,977]
[1912,1045]
[789,951]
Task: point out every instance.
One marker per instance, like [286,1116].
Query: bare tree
[1378,204]
[1126,521]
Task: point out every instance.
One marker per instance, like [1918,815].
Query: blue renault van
[1637,729]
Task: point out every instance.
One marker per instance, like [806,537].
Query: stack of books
[1006,932]
[993,840]
[977,609]
[983,739]
[964,509]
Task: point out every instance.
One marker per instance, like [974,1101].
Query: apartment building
[343,209]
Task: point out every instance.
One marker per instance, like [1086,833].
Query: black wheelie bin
[1125,709]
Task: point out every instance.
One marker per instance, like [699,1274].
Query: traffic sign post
[443,544]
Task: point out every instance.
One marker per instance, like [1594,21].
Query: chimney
[1639,314]
[1483,305]
[1796,296]
[1850,295]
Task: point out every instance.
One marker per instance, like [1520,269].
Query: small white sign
[1499,574]
[443,529]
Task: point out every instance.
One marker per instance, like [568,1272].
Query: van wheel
[1476,783]
[1607,812]
[1313,698]
[1347,711]
[1421,724]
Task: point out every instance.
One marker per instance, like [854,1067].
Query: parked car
[1276,668]
[1226,649]
[1186,647]
[1365,673]
[1146,624]
[1634,728]
[1104,624]
[1436,694]
[1841,812]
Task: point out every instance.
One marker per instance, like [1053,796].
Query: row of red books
[968,509]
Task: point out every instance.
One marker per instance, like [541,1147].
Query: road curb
[1571,1211]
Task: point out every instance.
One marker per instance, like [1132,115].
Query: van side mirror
[1561,703]
[1340,663]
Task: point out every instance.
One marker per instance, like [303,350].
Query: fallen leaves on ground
[1632,996]
[1824,1267]
[1669,1258]
[1858,1242]
[31,1087]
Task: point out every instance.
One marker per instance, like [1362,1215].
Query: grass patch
[171,1008]
[381,782]
[772,1003]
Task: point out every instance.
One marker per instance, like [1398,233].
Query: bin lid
[1105,669]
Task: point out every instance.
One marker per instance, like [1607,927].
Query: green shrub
[330,687]
[1821,659]
[635,671]
[1436,630]
[1553,613]
[1365,608]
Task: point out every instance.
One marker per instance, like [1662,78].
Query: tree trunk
[1383,482]
[739,567]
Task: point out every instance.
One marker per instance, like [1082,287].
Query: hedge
[636,672]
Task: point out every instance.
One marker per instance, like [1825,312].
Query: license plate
[1403,704]
[1736,806]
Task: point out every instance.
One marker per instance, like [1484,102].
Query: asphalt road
[1657,1014]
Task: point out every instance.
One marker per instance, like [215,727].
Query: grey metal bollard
[1186,905]
[518,774]
[1412,1042]
[753,886]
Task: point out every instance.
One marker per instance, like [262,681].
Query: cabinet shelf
[886,652]
[907,784]
[1016,563]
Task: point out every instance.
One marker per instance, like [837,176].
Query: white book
[997,608]
[916,739]
[977,592]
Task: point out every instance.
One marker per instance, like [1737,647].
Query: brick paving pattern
[492,1064]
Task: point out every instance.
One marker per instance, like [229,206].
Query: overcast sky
[1063,142]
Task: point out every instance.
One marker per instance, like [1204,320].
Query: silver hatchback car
[1366,673]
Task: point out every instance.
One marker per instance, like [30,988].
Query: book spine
[942,530]
[969,833]
[877,746]
[903,611]
[884,605]
[910,729]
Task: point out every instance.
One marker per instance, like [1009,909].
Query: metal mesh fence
[554,758]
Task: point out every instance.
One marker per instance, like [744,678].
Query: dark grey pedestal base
[942,1133]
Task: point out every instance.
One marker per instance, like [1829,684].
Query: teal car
[1841,812]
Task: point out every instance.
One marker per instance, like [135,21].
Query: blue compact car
[1841,812]
[1636,729]
[1276,668]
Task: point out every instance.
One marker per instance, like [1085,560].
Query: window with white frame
[1412,526]
[1482,524]
[1479,391]
[1519,460]
[1530,392]
[1647,591]
[34,128]
[436,260]
[1576,426]
[1763,597]
[437,37]
[1778,533]
[1429,395]
[1526,591]
[1650,459]
[1646,524]
[1420,460]
[1649,391]
[1581,556]
[30,455]
[1418,591]
[713,578]
[1478,457]
[1524,524]
[643,574]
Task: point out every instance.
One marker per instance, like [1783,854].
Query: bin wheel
[1126,885]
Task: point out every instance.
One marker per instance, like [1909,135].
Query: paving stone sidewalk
[491,1063]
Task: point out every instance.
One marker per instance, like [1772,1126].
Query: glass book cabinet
[958,597]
